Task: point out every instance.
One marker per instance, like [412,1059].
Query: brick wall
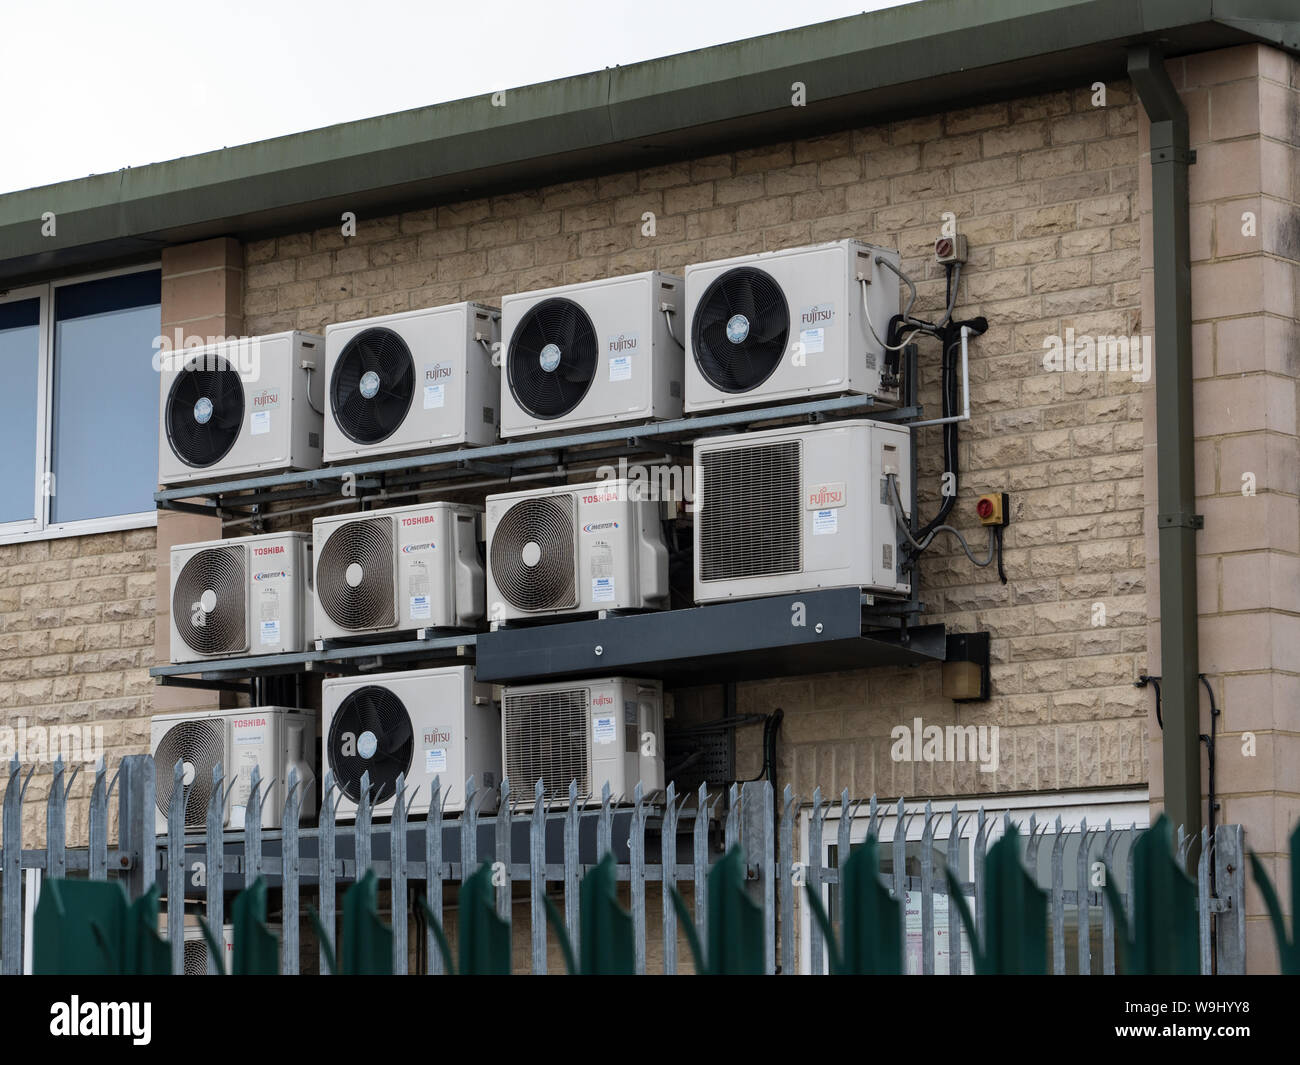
[1244,123]
[76,639]
[1045,189]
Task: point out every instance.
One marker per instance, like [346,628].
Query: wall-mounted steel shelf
[814,632]
[505,460]
[355,658]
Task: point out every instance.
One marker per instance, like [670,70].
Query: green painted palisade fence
[587,872]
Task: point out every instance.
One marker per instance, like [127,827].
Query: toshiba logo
[278,549]
[249,722]
[602,497]
[421,519]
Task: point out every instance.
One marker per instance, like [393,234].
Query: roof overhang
[886,64]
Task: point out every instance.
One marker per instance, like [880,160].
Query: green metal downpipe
[1176,519]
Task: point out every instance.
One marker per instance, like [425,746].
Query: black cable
[1142,682]
[1002,573]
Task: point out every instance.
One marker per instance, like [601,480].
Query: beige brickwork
[1244,113]
[1045,188]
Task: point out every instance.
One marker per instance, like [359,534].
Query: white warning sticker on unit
[435,760]
[259,422]
[813,341]
[603,729]
[825,522]
[270,631]
[421,610]
[434,396]
[620,368]
[602,590]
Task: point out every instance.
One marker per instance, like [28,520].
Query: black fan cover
[372,385]
[204,411]
[200,745]
[552,358]
[532,554]
[371,732]
[739,330]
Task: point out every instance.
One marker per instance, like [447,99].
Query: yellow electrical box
[992,508]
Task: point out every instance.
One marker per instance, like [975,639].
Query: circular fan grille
[371,732]
[354,575]
[533,554]
[739,329]
[552,358]
[200,745]
[196,957]
[208,601]
[372,385]
[204,411]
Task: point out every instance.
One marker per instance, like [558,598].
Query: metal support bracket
[1180,521]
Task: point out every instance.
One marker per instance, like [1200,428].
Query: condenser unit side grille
[208,601]
[533,553]
[546,739]
[355,574]
[751,515]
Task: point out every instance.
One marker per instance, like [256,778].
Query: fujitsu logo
[436,736]
[266,399]
[622,342]
[278,549]
[813,315]
[602,700]
[249,722]
[422,519]
[826,495]
[437,373]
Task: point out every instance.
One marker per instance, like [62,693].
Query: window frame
[29,530]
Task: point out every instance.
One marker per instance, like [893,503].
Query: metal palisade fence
[657,846]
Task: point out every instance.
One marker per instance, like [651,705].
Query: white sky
[91,87]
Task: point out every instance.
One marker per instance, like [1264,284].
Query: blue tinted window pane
[20,354]
[105,397]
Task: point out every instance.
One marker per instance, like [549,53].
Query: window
[79,407]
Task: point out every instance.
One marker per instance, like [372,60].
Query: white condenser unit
[575,549]
[248,595]
[276,739]
[414,381]
[796,509]
[422,723]
[597,732]
[196,946]
[241,407]
[591,354]
[789,325]
[397,569]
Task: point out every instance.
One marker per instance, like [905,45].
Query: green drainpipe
[1176,519]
